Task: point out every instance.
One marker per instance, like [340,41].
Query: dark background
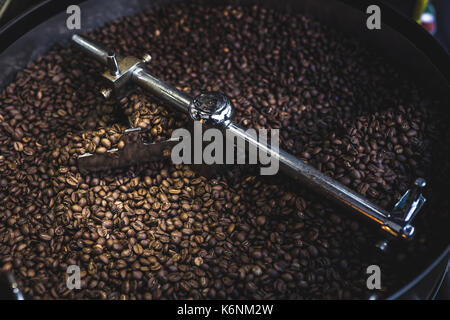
[12,8]
[442,15]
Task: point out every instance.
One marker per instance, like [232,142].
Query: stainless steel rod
[162,90]
[93,49]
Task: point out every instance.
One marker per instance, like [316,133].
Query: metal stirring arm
[216,109]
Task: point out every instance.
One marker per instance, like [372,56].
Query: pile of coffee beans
[156,122]
[163,231]
[99,141]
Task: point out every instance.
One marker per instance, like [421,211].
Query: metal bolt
[106,92]
[146,58]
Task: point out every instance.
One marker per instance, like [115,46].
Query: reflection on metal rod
[162,90]
[94,50]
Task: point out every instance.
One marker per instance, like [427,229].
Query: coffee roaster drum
[400,39]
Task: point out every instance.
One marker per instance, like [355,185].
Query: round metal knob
[211,107]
